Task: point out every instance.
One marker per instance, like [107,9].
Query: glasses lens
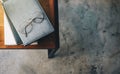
[27,29]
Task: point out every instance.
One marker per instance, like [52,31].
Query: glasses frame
[30,24]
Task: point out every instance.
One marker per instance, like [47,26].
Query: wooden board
[48,42]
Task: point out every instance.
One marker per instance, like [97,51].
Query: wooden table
[50,42]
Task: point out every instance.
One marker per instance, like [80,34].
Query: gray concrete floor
[89,38]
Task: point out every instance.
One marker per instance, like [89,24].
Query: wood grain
[1,27]
[1,15]
[47,42]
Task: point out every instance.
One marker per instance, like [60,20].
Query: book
[30,21]
[9,34]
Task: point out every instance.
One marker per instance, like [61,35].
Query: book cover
[30,21]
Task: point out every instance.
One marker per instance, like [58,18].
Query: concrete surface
[90,42]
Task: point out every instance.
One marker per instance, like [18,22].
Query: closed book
[29,19]
[10,35]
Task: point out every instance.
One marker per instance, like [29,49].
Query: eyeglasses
[29,27]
